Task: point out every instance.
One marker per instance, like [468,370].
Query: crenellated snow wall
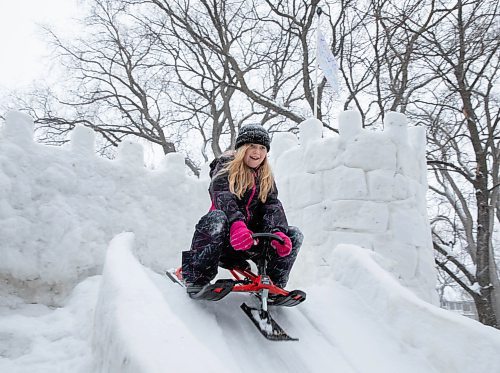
[60,206]
[361,187]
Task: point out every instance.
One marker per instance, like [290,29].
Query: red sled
[245,281]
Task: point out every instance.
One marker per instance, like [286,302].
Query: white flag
[327,62]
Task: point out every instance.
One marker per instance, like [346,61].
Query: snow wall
[60,206]
[362,187]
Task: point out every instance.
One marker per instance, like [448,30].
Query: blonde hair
[241,177]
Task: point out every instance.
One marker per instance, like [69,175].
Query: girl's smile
[255,155]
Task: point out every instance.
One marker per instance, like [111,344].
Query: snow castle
[61,206]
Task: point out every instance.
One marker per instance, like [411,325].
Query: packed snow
[86,241]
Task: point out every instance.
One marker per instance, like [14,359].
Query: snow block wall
[71,203]
[361,187]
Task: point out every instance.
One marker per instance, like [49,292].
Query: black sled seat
[232,263]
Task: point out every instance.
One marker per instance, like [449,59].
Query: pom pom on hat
[253,134]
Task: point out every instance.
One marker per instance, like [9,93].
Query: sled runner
[245,281]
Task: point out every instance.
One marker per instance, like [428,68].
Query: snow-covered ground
[356,320]
[85,242]
[37,338]
[359,319]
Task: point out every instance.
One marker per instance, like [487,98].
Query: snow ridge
[135,330]
[420,325]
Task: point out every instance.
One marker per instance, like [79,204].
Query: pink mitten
[285,248]
[240,236]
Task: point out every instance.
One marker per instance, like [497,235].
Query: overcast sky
[23,54]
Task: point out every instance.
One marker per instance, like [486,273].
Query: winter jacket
[259,217]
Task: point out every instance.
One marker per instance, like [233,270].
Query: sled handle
[270,236]
[262,263]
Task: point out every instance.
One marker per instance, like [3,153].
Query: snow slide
[359,319]
[135,329]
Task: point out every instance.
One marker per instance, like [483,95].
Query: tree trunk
[485,306]
[495,294]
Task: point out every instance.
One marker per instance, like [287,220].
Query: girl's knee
[214,223]
[218,215]
[295,236]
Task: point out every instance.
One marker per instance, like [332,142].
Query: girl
[244,200]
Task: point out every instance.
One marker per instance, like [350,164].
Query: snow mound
[135,329]
[443,337]
[358,319]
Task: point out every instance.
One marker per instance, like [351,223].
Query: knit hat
[253,134]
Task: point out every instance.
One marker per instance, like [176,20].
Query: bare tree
[159,70]
[438,63]
[248,45]
[117,86]
[206,82]
[464,136]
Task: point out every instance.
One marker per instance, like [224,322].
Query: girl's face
[255,155]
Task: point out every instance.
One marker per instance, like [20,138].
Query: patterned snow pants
[210,247]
